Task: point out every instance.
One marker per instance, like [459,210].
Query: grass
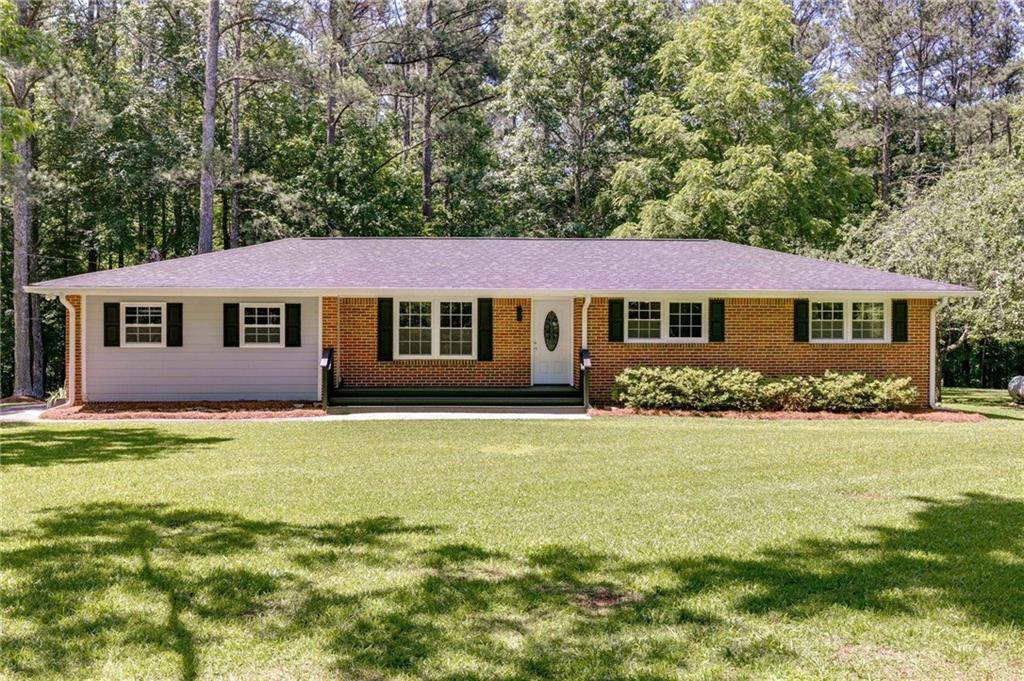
[995,404]
[639,548]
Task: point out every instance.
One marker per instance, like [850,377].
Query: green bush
[739,389]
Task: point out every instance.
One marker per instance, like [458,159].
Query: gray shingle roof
[529,265]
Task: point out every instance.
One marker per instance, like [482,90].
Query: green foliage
[572,73]
[744,390]
[730,144]
[967,228]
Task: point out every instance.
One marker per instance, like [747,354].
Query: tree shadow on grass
[462,611]
[73,570]
[42,446]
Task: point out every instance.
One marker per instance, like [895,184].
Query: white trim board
[495,293]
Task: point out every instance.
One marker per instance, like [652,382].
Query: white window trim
[848,338]
[435,326]
[665,316]
[124,325]
[242,325]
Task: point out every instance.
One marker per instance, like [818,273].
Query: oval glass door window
[551,331]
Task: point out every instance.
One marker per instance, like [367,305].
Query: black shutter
[801,321]
[616,330]
[899,321]
[716,321]
[292,325]
[111,325]
[385,329]
[175,326]
[484,329]
[231,325]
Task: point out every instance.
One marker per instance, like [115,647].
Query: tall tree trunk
[36,314]
[225,236]
[206,184]
[21,216]
[886,178]
[232,241]
[332,70]
[428,158]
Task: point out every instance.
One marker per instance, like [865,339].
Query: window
[143,324]
[666,321]
[644,321]
[435,328]
[414,328]
[850,321]
[826,321]
[456,328]
[685,320]
[262,325]
[868,321]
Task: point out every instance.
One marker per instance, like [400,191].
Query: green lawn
[641,548]
[995,404]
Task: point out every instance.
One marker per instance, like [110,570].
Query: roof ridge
[491,238]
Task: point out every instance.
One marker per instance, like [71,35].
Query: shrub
[744,390]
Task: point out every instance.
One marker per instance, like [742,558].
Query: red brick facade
[75,347]
[759,336]
[350,327]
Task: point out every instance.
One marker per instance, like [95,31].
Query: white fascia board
[497,293]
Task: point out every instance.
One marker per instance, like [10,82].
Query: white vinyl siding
[202,369]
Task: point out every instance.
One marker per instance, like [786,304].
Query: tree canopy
[730,145]
[800,125]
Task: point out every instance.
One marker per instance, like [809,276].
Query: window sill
[666,341]
[850,341]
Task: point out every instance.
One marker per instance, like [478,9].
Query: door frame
[534,320]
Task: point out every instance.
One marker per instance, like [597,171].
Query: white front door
[552,342]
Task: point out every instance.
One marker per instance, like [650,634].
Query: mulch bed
[223,411]
[916,415]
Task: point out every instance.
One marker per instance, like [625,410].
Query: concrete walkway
[21,412]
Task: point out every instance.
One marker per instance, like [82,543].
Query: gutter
[312,292]
[72,336]
[933,350]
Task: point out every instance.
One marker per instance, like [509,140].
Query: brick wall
[76,347]
[759,336]
[350,327]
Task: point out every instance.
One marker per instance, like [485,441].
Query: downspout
[585,354]
[583,337]
[72,337]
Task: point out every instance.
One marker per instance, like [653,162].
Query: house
[489,320]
